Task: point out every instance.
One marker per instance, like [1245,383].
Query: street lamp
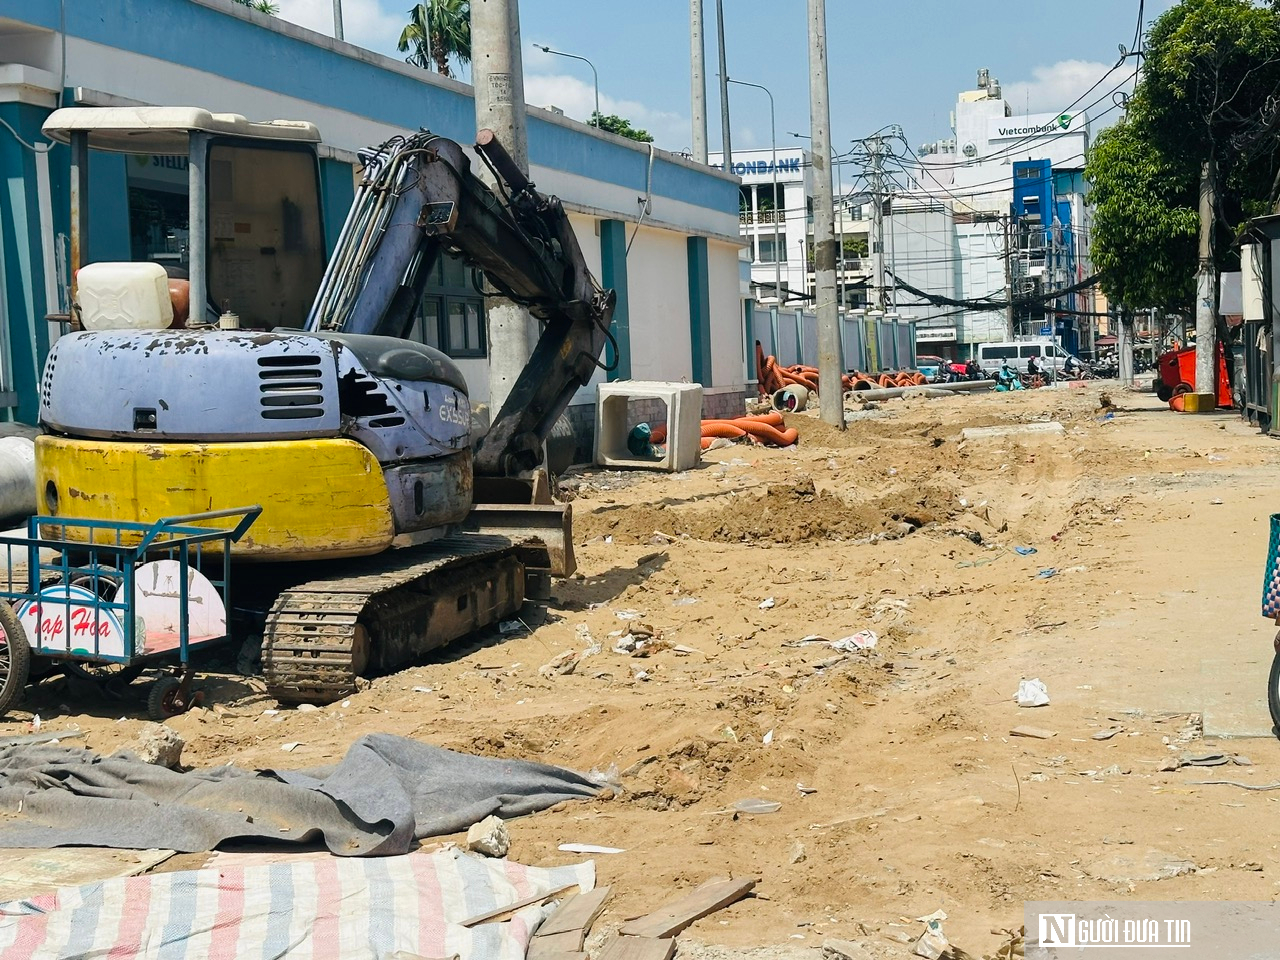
[840,193]
[595,76]
[773,131]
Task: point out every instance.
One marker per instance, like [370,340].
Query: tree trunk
[440,55]
[1124,343]
[1206,286]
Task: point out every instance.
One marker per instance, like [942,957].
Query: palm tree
[438,30]
[262,6]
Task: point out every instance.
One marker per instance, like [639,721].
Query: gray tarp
[386,792]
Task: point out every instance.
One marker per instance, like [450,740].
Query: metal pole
[595,82]
[79,216]
[830,388]
[726,142]
[198,228]
[498,79]
[698,81]
[337,19]
[1008,277]
[777,212]
[595,77]
[893,258]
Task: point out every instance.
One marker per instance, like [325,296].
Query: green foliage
[437,31]
[621,126]
[1211,67]
[1208,89]
[1145,221]
[855,247]
[262,6]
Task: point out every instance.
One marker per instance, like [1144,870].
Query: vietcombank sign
[1036,125]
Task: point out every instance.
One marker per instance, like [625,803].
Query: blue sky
[898,62]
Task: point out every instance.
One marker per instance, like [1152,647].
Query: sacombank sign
[763,167]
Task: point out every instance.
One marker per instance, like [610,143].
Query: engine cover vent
[292,387]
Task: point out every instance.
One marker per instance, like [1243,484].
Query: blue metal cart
[106,601]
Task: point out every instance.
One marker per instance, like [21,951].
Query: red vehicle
[1178,375]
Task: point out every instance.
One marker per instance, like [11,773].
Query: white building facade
[774,229]
[1015,195]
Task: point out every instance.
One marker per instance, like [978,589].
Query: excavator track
[379,613]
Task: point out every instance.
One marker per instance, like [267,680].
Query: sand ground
[916,797]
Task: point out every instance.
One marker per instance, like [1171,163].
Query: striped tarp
[338,908]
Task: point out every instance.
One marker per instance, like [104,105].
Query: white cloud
[366,23]
[576,98]
[1052,88]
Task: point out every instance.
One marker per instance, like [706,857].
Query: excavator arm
[419,198]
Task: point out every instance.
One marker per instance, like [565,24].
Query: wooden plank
[547,948]
[1036,733]
[678,914]
[639,948]
[500,913]
[26,873]
[576,913]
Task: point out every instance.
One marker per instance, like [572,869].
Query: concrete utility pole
[1124,346]
[726,140]
[698,80]
[498,76]
[1206,286]
[1009,328]
[337,19]
[830,388]
[874,145]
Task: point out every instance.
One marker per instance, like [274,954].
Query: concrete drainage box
[623,404]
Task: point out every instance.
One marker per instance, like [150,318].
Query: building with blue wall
[642,215]
[1045,259]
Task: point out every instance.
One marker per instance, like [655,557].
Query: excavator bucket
[541,529]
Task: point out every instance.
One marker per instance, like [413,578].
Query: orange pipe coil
[766,428]
[773,376]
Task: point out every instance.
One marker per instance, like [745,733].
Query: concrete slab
[1233,697]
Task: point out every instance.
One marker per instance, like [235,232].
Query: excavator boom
[418,198]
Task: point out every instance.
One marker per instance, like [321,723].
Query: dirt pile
[783,513]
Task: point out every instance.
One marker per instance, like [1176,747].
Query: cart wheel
[163,702]
[1164,392]
[107,679]
[1182,388]
[15,658]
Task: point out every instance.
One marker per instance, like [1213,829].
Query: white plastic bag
[1032,693]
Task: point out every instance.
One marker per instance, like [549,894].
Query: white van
[1049,356]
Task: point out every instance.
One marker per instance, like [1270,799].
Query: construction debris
[157,744]
[489,837]
[1036,733]
[675,916]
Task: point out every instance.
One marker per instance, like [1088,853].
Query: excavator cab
[255,232]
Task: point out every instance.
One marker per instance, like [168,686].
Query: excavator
[388,527]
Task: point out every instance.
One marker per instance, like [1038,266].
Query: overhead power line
[990,304]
